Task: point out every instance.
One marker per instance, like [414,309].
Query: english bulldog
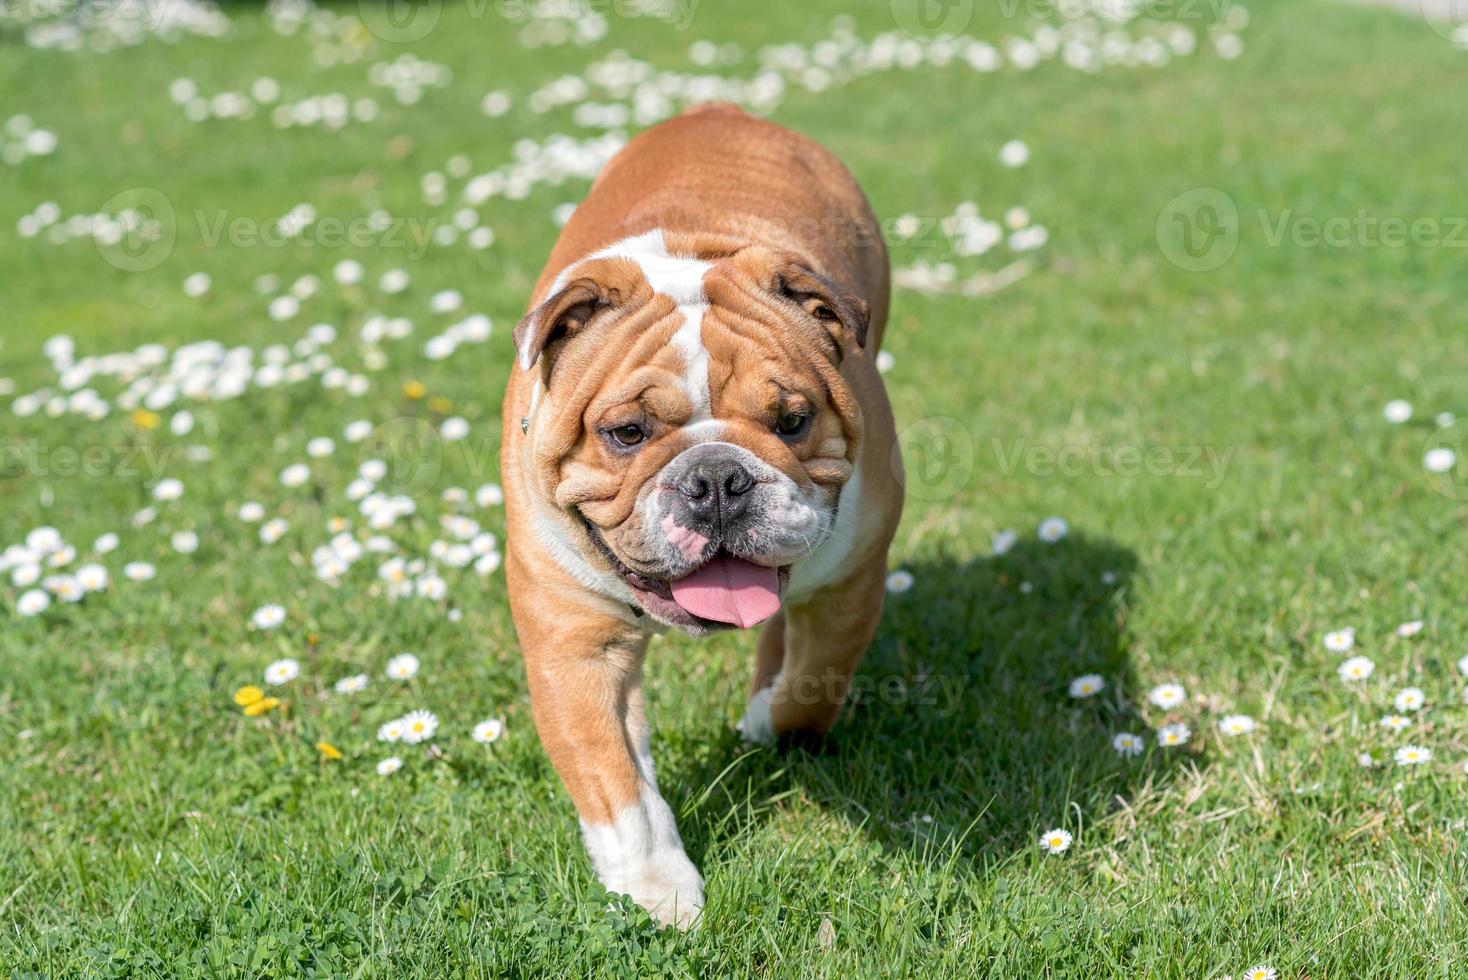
[696,438]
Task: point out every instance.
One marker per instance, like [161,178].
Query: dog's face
[691,418]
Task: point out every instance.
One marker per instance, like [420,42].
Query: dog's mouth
[725,592]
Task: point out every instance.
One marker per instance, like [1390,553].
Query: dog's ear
[561,315]
[844,314]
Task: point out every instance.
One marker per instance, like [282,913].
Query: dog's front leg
[585,672]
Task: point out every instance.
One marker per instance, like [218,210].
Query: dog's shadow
[961,732]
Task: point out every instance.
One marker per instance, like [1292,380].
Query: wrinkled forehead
[648,257]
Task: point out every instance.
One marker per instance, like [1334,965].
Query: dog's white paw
[671,889]
[640,855]
[756,725]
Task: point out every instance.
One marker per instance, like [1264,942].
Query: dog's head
[690,417]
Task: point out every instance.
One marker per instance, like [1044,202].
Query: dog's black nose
[714,491]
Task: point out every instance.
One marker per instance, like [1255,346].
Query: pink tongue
[730,590]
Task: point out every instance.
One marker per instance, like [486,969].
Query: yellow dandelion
[328,751]
[260,707]
[248,695]
[440,405]
[144,419]
[414,390]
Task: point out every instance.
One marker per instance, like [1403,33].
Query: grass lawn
[1195,384]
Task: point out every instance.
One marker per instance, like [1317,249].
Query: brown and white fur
[724,277]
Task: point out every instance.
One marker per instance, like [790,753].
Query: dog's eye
[627,435]
[823,312]
[791,424]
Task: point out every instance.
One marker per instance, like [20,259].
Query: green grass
[149,829]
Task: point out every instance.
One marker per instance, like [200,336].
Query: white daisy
[1014,154]
[144,517]
[357,431]
[24,575]
[393,281]
[273,530]
[1232,725]
[1356,669]
[295,475]
[1052,529]
[1397,411]
[488,731]
[445,301]
[185,542]
[1260,972]
[1171,736]
[486,564]
[32,603]
[899,581]
[419,726]
[92,577]
[320,447]
[1087,685]
[64,587]
[389,766]
[1412,755]
[372,470]
[489,495]
[1396,723]
[347,272]
[1365,761]
[1339,641]
[1439,460]
[431,587]
[351,685]
[106,544]
[1128,745]
[139,571]
[1463,665]
[282,671]
[1004,542]
[169,489]
[453,429]
[268,617]
[251,512]
[1409,699]
[402,667]
[886,361]
[390,731]
[1410,629]
[1168,696]
[1055,841]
